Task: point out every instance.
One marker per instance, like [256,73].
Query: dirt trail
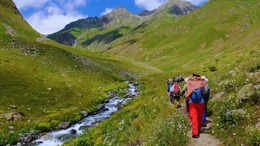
[205,138]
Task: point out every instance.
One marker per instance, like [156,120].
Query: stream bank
[110,106]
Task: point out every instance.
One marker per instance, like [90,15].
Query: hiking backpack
[195,90]
[206,93]
[197,95]
[175,89]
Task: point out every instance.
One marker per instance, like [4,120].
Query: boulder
[101,106]
[14,116]
[257,88]
[11,127]
[246,92]
[106,101]
[29,137]
[258,123]
[255,76]
[84,113]
[64,125]
[73,131]
[233,73]
[84,127]
[238,112]
[218,95]
[12,107]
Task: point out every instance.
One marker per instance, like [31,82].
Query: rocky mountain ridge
[117,18]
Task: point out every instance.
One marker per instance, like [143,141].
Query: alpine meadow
[52,83]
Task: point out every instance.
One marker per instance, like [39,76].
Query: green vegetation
[50,83]
[97,33]
[218,44]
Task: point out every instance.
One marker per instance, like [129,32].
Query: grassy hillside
[48,83]
[205,32]
[92,28]
[97,34]
[219,40]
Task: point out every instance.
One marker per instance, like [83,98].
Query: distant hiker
[206,96]
[179,79]
[195,87]
[170,82]
[173,90]
[185,92]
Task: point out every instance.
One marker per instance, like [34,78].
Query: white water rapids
[58,137]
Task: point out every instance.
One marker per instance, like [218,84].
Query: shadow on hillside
[106,38]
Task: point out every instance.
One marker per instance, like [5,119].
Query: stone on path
[205,139]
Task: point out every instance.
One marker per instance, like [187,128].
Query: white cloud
[150,4]
[22,4]
[51,15]
[52,19]
[72,4]
[197,2]
[107,10]
[154,4]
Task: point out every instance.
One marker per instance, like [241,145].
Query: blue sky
[49,16]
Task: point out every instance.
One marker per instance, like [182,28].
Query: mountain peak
[176,7]
[119,10]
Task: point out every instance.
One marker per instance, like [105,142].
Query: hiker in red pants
[196,102]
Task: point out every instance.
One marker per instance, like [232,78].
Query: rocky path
[205,138]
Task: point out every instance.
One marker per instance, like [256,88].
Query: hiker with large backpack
[194,97]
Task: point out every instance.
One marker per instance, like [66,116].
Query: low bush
[213,68]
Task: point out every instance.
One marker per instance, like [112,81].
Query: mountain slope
[44,83]
[219,40]
[117,18]
[49,83]
[161,41]
[96,35]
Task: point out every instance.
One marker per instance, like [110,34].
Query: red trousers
[196,113]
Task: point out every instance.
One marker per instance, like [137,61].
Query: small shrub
[212,68]
[12,139]
[2,139]
[254,68]
[254,137]
[43,127]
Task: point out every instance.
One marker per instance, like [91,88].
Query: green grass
[211,41]
[223,45]
[46,81]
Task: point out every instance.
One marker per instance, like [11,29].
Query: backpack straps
[193,85]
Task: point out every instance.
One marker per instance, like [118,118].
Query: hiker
[173,90]
[194,97]
[184,93]
[179,79]
[206,96]
[170,81]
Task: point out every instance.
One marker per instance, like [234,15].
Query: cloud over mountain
[150,4]
[154,4]
[51,15]
[107,10]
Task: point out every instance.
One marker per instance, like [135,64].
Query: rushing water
[59,137]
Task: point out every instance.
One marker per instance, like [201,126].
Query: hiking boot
[195,136]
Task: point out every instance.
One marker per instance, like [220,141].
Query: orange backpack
[194,84]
